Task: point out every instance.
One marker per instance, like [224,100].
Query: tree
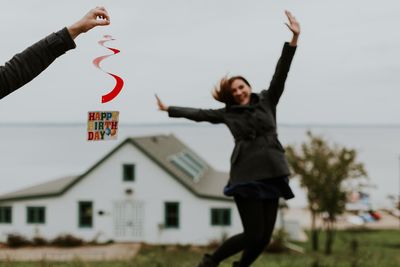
[322,170]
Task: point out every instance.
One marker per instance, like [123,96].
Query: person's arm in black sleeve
[196,114]
[281,71]
[277,84]
[25,66]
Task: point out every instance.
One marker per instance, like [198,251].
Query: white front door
[128,220]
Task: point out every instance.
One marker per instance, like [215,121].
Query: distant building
[150,189]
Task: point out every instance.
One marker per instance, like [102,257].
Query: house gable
[140,143]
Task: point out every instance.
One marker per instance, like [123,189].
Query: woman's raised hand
[293,25]
[160,104]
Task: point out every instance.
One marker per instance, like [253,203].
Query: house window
[85,209]
[189,164]
[5,214]
[129,172]
[36,214]
[171,215]
[221,217]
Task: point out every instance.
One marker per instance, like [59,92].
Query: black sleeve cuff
[172,112]
[287,48]
[60,42]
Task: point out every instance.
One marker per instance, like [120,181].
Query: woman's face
[241,92]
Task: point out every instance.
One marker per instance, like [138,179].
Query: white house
[150,189]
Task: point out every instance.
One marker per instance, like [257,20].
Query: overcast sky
[346,69]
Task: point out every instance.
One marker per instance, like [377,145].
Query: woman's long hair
[223,92]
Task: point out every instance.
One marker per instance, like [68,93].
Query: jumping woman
[259,170]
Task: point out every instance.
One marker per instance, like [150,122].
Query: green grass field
[375,249]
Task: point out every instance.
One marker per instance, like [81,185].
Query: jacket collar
[254,100]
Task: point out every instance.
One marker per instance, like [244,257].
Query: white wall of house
[105,188]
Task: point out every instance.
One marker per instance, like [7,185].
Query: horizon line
[191,124]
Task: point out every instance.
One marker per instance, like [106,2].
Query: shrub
[67,240]
[39,241]
[109,242]
[213,244]
[278,242]
[17,240]
[183,247]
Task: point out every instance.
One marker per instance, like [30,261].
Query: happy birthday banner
[103,125]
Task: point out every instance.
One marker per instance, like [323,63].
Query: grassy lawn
[375,249]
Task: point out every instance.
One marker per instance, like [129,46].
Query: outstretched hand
[293,25]
[95,17]
[160,104]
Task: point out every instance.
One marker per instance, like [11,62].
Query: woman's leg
[252,213]
[232,245]
[258,218]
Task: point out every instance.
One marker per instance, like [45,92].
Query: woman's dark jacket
[25,66]
[258,154]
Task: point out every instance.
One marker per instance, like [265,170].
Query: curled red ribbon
[119,81]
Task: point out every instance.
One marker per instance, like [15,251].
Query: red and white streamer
[119,81]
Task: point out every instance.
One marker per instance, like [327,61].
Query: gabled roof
[50,188]
[158,148]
